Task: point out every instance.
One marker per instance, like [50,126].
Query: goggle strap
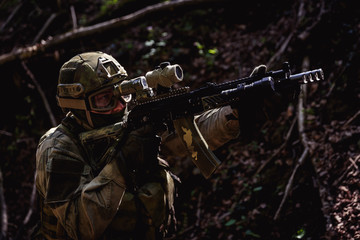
[71,103]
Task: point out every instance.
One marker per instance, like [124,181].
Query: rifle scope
[165,75]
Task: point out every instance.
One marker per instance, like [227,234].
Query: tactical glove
[249,110]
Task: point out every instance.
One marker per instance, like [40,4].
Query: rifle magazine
[196,145]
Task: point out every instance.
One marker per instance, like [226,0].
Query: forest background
[297,179]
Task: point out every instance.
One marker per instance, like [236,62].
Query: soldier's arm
[218,126]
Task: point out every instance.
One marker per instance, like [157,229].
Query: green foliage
[12,148]
[310,111]
[208,54]
[257,189]
[254,146]
[156,42]
[300,234]
[252,234]
[9,4]
[108,4]
[83,20]
[230,222]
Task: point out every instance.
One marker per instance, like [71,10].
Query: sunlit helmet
[86,87]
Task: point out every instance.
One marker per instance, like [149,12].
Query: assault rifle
[157,103]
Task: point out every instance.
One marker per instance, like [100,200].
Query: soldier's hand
[257,71]
[249,110]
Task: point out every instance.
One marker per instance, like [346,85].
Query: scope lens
[179,72]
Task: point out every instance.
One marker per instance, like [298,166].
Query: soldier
[112,188]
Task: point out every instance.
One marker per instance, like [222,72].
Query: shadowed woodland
[296,178]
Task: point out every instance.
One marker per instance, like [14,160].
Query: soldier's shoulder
[55,136]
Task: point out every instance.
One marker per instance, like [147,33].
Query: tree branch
[73,17]
[46,25]
[32,209]
[3,211]
[42,94]
[277,150]
[291,180]
[11,16]
[304,141]
[30,51]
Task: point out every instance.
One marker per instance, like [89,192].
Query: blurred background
[213,41]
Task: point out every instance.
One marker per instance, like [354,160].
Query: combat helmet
[85,88]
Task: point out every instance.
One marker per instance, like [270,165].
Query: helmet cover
[85,85]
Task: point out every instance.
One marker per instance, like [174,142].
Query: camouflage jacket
[81,198]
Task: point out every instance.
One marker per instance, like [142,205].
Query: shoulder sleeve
[82,203]
[218,126]
[60,167]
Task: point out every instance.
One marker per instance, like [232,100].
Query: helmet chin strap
[88,125]
[88,117]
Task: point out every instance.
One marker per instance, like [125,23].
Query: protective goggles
[104,100]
